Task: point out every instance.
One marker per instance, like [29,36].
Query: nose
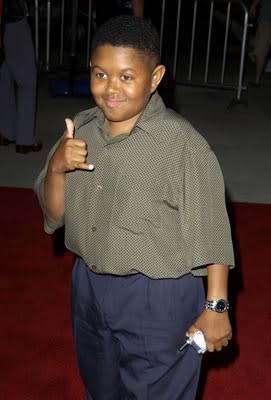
[112,85]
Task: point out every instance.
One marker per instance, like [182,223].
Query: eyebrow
[122,70]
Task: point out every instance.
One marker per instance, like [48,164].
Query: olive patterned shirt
[155,203]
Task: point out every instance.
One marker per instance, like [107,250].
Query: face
[122,80]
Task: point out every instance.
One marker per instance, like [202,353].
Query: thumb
[70,128]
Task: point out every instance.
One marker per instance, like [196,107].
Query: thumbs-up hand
[71,153]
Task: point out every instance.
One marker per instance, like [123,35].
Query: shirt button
[99,187]
[94,267]
[94,229]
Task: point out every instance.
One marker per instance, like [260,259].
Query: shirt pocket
[135,211]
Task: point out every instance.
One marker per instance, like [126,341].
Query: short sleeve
[206,227]
[49,227]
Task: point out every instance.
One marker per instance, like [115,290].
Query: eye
[126,77]
[100,75]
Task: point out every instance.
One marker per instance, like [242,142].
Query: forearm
[217,281]
[54,187]
[67,155]
[215,326]
[138,8]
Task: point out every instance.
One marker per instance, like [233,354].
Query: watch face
[221,306]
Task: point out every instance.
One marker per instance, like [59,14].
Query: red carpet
[37,361]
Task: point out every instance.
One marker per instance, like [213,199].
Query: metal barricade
[56,32]
[57,23]
[36,16]
[194,12]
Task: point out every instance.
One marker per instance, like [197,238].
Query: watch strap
[218,305]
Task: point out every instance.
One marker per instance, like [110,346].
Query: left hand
[215,327]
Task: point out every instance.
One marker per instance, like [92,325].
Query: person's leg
[20,53]
[96,349]
[260,63]
[7,104]
[262,45]
[149,319]
[127,332]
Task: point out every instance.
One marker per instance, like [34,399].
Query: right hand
[71,153]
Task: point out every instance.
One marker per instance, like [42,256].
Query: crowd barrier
[60,24]
[231,16]
[56,24]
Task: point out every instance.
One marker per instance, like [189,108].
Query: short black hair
[129,31]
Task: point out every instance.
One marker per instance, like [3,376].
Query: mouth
[112,103]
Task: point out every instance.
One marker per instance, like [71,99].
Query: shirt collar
[154,109]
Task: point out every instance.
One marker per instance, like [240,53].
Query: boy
[142,199]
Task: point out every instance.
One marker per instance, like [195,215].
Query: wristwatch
[219,305]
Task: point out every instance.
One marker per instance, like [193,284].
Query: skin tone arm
[216,327]
[138,8]
[70,155]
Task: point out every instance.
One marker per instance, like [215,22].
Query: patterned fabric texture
[155,203]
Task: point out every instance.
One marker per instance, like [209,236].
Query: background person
[263,36]
[105,9]
[1,25]
[18,78]
[138,8]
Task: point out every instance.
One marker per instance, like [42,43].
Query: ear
[157,76]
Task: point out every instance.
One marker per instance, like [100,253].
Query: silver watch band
[218,305]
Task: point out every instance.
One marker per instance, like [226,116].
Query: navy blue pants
[127,331]
[18,78]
